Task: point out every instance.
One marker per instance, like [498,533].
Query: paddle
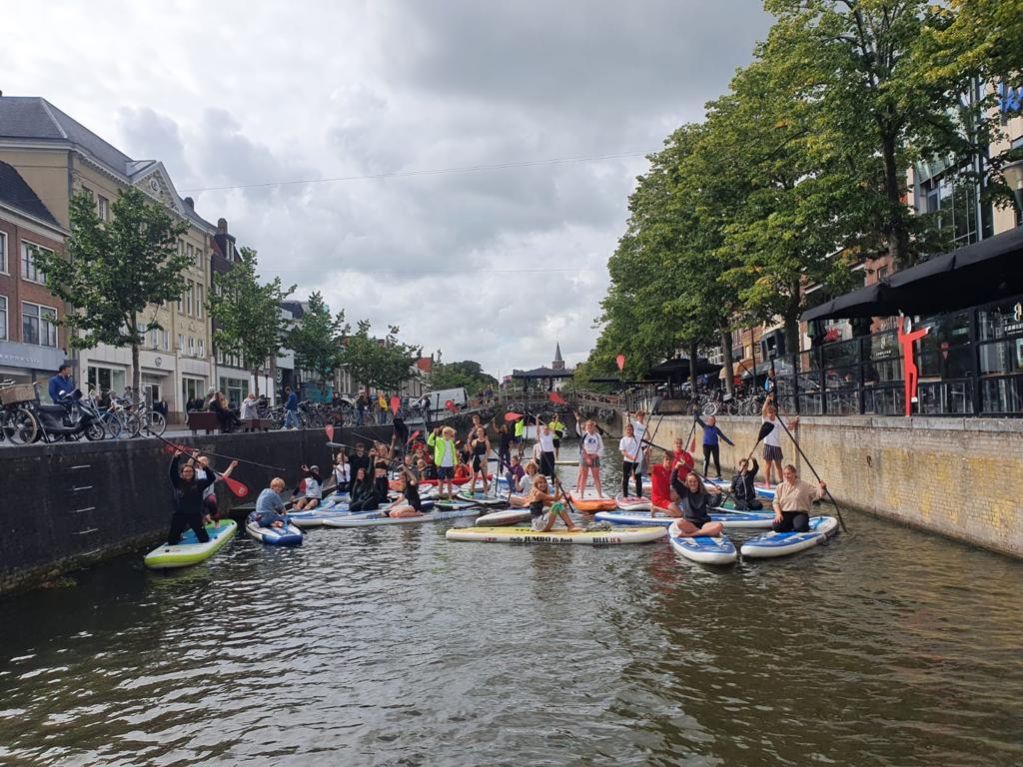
[765,428]
[238,490]
[412,439]
[185,449]
[814,471]
[509,416]
[329,429]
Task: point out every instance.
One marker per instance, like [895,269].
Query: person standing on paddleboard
[639,428]
[792,499]
[693,507]
[545,439]
[592,450]
[772,441]
[442,440]
[559,433]
[270,506]
[480,449]
[631,452]
[188,500]
[519,437]
[711,447]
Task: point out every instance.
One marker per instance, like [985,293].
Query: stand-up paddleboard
[433,516]
[593,505]
[483,499]
[445,504]
[273,536]
[632,503]
[612,537]
[567,462]
[781,544]
[188,551]
[732,520]
[703,548]
[502,518]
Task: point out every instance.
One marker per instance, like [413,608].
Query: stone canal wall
[66,505]
[960,477]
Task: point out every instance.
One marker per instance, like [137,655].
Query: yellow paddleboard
[610,537]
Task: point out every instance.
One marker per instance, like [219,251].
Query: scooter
[69,421]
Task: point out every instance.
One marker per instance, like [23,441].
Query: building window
[181,344]
[103,379]
[193,389]
[103,208]
[189,297]
[191,346]
[3,253]
[3,318]
[198,300]
[954,203]
[235,389]
[202,347]
[29,270]
[38,325]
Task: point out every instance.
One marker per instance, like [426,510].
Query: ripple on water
[393,646]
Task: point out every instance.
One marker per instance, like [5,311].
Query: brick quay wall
[65,506]
[959,477]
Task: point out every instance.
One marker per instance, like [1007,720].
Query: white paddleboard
[501,518]
[782,544]
[703,548]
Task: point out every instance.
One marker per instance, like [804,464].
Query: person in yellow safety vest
[519,439]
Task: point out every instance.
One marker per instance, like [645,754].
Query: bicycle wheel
[710,408]
[132,425]
[156,423]
[111,425]
[95,431]
[21,427]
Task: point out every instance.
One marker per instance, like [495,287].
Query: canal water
[392,646]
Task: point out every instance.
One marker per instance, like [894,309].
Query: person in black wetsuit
[693,507]
[400,436]
[188,503]
[743,488]
[371,495]
[479,447]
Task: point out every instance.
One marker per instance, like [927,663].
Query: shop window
[103,379]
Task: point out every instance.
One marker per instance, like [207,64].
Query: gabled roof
[17,194]
[32,117]
[542,373]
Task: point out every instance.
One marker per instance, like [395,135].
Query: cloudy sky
[397,111]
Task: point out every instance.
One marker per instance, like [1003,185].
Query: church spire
[559,363]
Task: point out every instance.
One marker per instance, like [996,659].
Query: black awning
[976,274]
[679,370]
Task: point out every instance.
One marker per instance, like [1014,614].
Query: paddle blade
[620,362]
[509,417]
[395,405]
[557,399]
[169,449]
[450,405]
[329,429]
[692,446]
[765,428]
[238,490]
[413,437]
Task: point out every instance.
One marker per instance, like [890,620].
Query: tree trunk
[726,348]
[693,351]
[792,321]
[898,232]
[255,378]
[136,368]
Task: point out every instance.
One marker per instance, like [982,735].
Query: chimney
[221,226]
[190,203]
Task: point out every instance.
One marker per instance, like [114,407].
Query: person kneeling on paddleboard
[368,496]
[543,521]
[792,499]
[270,506]
[743,486]
[693,506]
[188,503]
[408,503]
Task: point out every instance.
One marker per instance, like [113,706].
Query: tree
[384,364]
[247,314]
[318,340]
[116,271]
[451,375]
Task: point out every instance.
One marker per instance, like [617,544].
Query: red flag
[509,416]
[395,404]
[329,428]
[450,405]
[557,399]
[620,360]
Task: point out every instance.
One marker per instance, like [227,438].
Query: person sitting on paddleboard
[408,503]
[480,449]
[772,441]
[270,506]
[693,507]
[660,485]
[744,488]
[711,447]
[371,493]
[631,452]
[361,487]
[592,449]
[792,499]
[542,521]
[342,473]
[516,471]
[311,497]
[426,468]
[188,500]
[522,488]
[445,456]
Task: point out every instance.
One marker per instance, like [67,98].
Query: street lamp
[1013,175]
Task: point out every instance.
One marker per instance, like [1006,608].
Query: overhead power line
[426,172]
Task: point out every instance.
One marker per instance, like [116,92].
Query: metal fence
[970,363]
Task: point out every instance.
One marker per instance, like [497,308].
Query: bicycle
[151,421]
[18,424]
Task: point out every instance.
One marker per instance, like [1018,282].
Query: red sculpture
[910,374]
